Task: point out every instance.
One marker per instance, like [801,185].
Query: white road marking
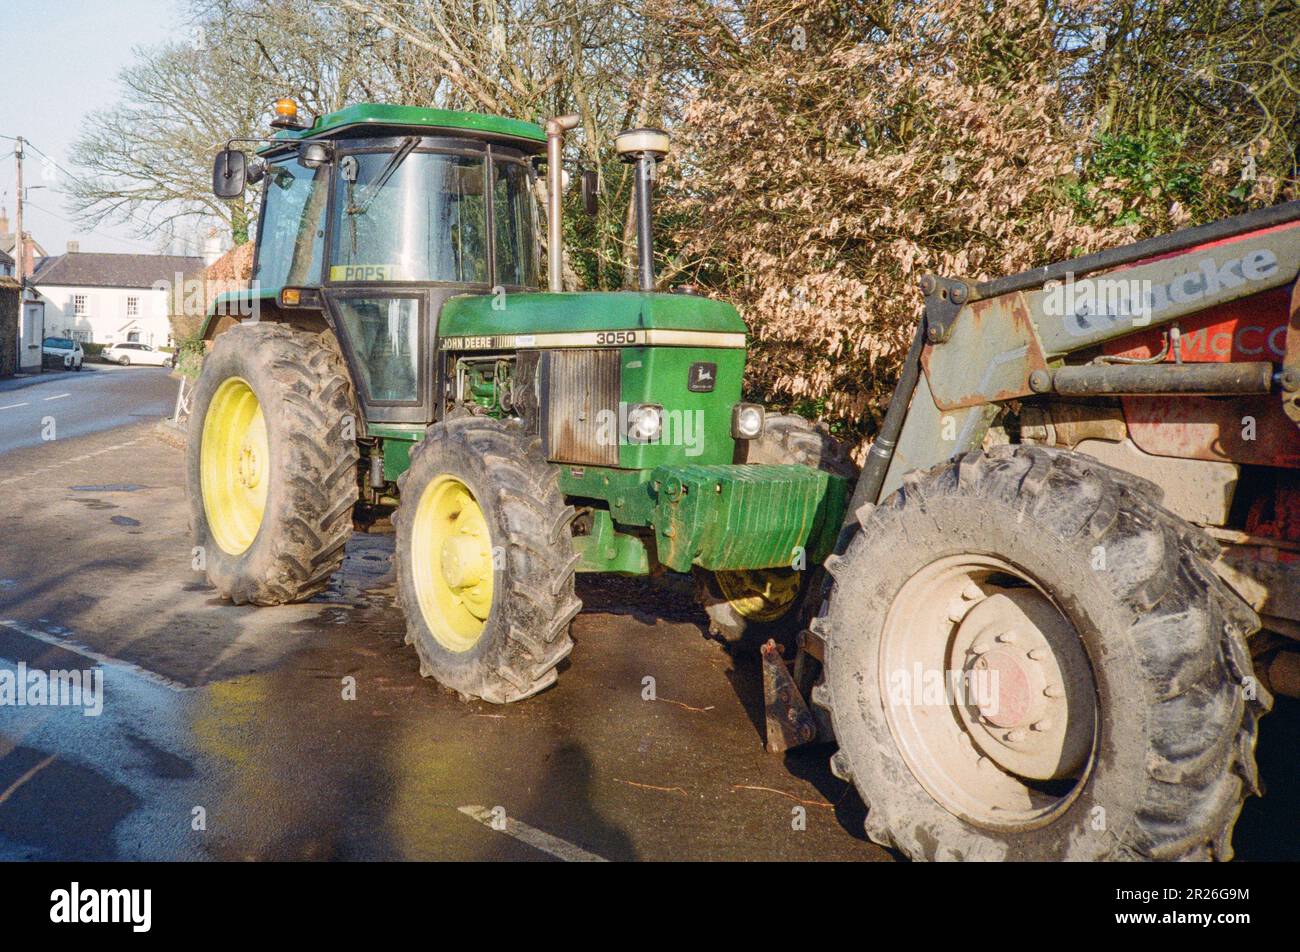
[92,654]
[14,406]
[63,463]
[59,397]
[25,777]
[561,849]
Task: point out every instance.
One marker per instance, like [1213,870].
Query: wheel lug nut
[972,592]
[1044,725]
[1016,736]
[957,610]
[1039,654]
[1007,637]
[1054,691]
[981,648]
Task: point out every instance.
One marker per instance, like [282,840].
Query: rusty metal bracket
[944,299]
[789,722]
[991,356]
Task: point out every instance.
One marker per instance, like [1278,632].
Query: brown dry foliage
[838,151]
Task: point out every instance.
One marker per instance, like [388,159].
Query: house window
[133,307]
[79,305]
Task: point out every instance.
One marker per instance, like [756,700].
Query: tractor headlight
[645,421]
[746,421]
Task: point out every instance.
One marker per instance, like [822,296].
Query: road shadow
[564,802]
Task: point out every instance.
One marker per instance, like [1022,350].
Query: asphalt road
[306,732]
[240,713]
[61,405]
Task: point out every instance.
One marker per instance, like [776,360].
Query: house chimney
[4,221]
[74,247]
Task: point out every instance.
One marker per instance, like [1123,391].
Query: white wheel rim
[988,693]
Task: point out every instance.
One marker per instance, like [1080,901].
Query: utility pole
[19,247]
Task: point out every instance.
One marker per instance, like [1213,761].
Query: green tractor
[396,351]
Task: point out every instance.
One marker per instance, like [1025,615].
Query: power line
[185,242]
[66,221]
[77,178]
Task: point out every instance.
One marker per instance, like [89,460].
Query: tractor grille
[575,386]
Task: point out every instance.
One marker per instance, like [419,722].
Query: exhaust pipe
[644,147]
[555,130]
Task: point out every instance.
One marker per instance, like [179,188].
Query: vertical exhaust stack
[644,147]
[555,130]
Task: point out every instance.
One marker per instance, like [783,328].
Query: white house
[111,298]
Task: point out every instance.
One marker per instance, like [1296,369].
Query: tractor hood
[522,315]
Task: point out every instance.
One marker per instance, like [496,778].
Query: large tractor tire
[752,605]
[272,463]
[1103,704]
[485,560]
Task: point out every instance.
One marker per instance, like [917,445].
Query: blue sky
[64,56]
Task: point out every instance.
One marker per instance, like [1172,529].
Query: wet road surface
[235,719]
[61,405]
[228,733]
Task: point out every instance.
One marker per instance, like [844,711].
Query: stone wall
[9,311]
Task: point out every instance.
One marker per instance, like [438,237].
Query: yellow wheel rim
[234,465]
[451,560]
[760,594]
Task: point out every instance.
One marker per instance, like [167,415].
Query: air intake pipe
[644,147]
[555,130]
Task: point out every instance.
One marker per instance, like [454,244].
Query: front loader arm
[983,343]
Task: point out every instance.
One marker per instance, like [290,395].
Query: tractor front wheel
[1028,658]
[272,463]
[485,560]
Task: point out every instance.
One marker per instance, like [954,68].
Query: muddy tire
[1167,689]
[739,603]
[520,518]
[285,547]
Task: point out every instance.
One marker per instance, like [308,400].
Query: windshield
[422,218]
[291,241]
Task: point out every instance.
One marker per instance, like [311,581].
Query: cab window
[291,236]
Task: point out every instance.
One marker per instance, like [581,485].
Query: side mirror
[590,198]
[229,172]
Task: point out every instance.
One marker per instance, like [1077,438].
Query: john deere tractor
[396,351]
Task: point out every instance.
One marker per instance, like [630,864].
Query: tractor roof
[375,118]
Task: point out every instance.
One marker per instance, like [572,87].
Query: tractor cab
[373,216]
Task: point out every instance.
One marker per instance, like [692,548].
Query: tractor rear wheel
[272,463]
[752,605]
[1028,658]
[485,560]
